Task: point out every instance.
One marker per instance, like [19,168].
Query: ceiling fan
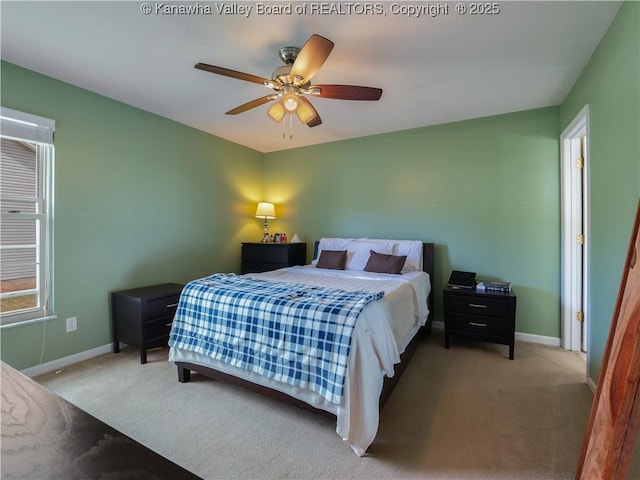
[292,81]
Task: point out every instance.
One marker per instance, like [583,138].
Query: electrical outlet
[72,324]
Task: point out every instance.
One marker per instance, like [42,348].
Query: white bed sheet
[381,334]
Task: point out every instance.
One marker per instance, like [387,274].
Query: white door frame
[575,216]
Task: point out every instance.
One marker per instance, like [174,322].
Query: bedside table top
[274,243]
[475,291]
[153,291]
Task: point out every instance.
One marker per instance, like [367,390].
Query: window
[26,169]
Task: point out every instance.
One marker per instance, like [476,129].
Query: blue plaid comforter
[297,334]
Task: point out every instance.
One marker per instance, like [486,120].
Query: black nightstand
[262,257]
[482,315]
[142,317]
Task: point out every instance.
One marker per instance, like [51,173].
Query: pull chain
[290,127]
[284,128]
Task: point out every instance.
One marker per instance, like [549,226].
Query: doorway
[574,155]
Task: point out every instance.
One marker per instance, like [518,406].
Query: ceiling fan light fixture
[290,102]
[276,112]
[305,113]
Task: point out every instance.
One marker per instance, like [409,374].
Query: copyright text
[410,9]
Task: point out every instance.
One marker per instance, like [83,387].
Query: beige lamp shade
[276,112]
[266,210]
[305,113]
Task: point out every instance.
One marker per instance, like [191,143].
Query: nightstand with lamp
[267,255]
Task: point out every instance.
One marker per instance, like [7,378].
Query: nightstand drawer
[476,305]
[266,254]
[262,257]
[161,306]
[499,327]
[159,327]
[259,267]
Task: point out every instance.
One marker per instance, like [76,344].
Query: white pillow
[413,250]
[385,242]
[331,244]
[359,251]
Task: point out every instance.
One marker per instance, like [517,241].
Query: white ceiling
[432,69]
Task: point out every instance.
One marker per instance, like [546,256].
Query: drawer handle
[477,305]
[476,324]
[171,305]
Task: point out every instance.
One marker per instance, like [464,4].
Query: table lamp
[267,211]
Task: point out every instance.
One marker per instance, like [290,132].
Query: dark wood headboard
[428,265]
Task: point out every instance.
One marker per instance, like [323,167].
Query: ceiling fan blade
[315,120]
[249,105]
[230,73]
[310,58]
[348,92]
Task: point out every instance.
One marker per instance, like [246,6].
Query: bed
[381,317]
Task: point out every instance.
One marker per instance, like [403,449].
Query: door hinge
[580,239]
[580,162]
[580,316]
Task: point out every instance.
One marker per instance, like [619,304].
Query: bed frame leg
[184,374]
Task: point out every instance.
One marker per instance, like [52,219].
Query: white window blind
[25,126]
[26,186]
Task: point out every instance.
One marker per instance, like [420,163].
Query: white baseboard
[524,337]
[591,384]
[541,339]
[66,361]
[94,352]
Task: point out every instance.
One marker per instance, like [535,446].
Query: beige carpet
[463,413]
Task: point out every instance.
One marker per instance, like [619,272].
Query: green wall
[610,85]
[486,191]
[138,200]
